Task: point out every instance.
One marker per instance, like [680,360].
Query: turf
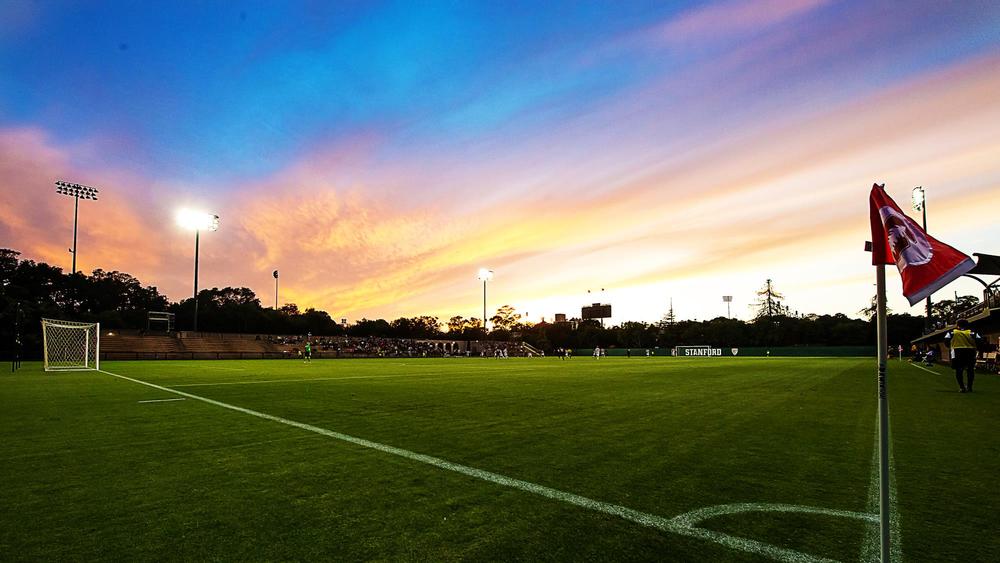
[90,473]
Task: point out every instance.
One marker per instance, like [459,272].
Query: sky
[378,154]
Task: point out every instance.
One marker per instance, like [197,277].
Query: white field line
[684,524]
[918,366]
[871,546]
[263,381]
[346,377]
[161,400]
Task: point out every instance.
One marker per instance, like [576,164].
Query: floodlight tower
[76,191]
[485,275]
[275,274]
[197,221]
[920,204]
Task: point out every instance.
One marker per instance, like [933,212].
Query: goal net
[71,345]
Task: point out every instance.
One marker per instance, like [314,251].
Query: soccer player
[309,352]
[963,353]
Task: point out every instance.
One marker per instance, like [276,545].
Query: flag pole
[883,413]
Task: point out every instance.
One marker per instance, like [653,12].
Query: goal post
[71,346]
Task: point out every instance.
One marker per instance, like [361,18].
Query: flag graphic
[925,263]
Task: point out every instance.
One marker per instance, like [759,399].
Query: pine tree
[669,319]
[769,303]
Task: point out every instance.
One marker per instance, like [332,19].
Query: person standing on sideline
[309,352]
[963,344]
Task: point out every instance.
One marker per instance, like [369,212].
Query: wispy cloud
[730,19]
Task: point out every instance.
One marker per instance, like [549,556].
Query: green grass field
[577,460]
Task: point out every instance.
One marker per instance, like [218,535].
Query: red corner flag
[925,264]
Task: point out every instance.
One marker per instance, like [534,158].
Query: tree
[366,327]
[426,326]
[506,318]
[948,309]
[768,303]
[669,319]
[456,324]
[871,310]
[633,335]
[8,264]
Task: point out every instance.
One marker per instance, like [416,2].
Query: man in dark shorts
[964,344]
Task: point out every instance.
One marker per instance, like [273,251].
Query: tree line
[120,301]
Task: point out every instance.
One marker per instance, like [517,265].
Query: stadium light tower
[76,191]
[197,221]
[275,274]
[920,204]
[485,276]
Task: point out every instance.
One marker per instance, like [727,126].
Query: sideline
[871,546]
[918,366]
[684,524]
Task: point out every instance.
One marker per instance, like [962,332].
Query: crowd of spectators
[380,347]
[368,347]
[374,346]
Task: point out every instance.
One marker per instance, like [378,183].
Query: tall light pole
[275,274]
[727,299]
[485,276]
[197,221]
[920,204]
[76,191]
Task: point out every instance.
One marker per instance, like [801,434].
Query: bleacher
[135,346]
[987,362]
[142,345]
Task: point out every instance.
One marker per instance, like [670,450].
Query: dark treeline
[119,301]
[781,330]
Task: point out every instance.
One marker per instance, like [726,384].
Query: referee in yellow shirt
[963,353]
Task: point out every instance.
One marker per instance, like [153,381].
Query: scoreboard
[595,311]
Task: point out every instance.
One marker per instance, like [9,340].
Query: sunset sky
[379,154]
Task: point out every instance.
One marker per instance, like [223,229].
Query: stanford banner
[925,263]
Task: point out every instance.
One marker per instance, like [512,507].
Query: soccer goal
[71,346]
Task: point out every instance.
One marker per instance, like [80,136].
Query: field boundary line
[918,366]
[870,547]
[684,524]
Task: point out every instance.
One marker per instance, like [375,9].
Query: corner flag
[925,263]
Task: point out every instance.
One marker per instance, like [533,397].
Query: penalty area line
[684,524]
